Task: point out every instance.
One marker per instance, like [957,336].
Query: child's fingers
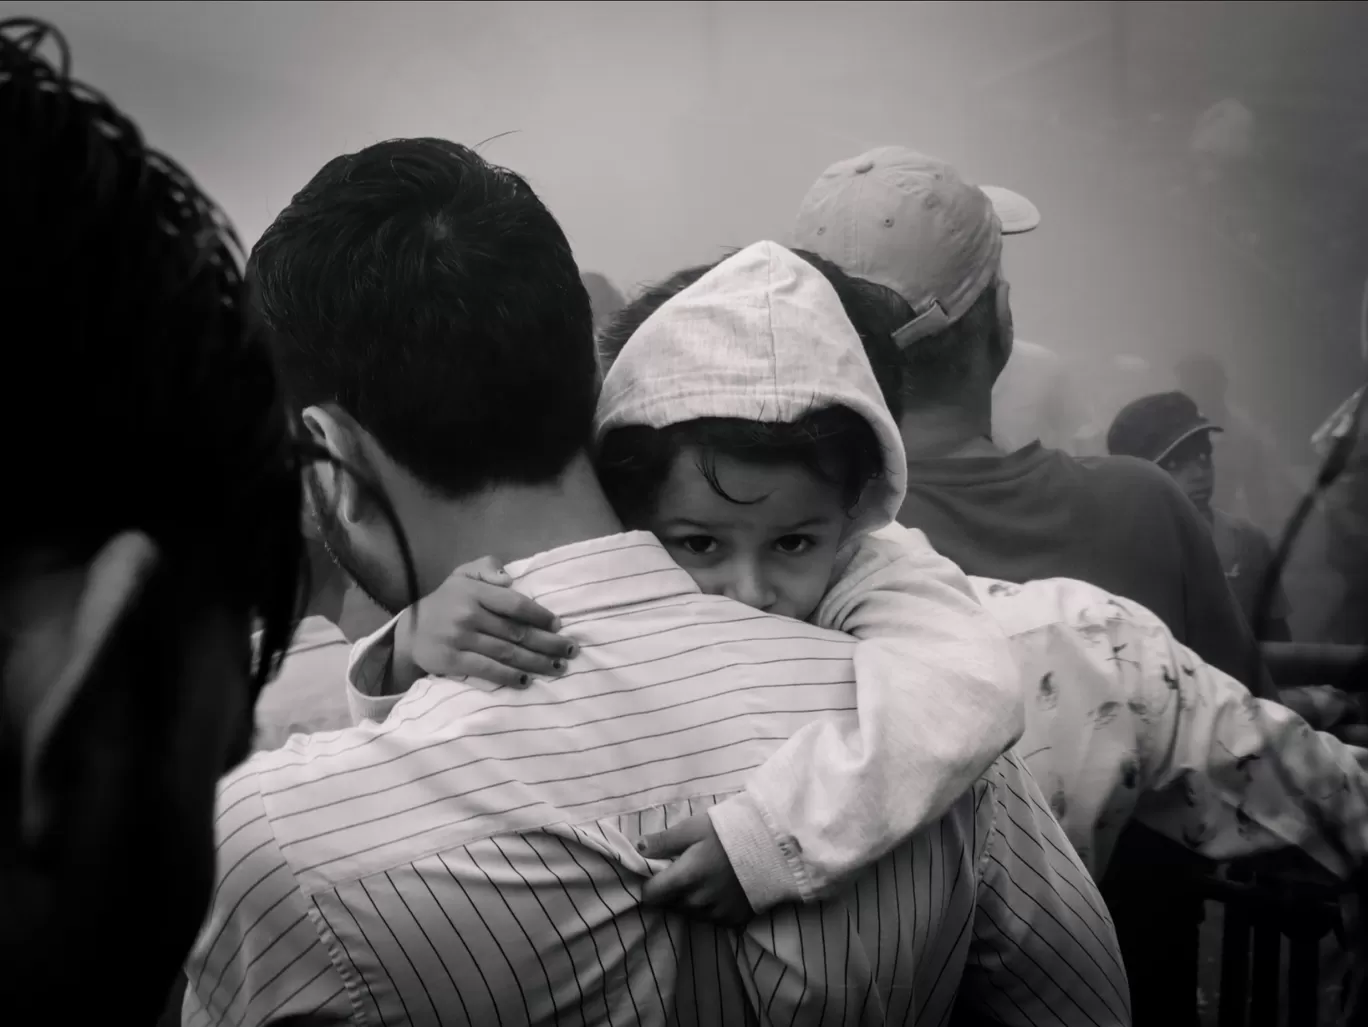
[517,637]
[678,884]
[479,640]
[482,668]
[514,606]
[534,640]
[674,841]
[486,569]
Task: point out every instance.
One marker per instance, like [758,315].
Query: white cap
[909,222]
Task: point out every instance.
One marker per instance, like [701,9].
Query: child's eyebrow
[688,522]
[811,522]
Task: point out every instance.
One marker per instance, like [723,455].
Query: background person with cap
[933,242]
[1167,429]
[1255,480]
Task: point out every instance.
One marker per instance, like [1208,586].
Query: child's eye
[793,545]
[697,545]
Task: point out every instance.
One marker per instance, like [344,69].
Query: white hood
[762,336]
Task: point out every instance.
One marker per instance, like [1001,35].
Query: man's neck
[327,586]
[513,522]
[944,432]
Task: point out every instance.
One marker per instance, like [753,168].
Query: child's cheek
[708,580]
[808,596]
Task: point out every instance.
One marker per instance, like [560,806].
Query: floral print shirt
[1124,722]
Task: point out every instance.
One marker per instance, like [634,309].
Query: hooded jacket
[763,336]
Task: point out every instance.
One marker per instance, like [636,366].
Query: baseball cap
[909,222]
[1152,427]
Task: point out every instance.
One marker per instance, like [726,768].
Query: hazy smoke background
[660,133]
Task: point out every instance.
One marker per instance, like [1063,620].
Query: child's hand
[701,880]
[475,626]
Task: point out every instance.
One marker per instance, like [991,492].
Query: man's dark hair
[140,398]
[432,296]
[938,367]
[835,444]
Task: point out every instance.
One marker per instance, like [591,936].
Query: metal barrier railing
[1300,663]
[1266,911]
[1264,915]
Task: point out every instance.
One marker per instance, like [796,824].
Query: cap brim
[1207,428]
[1016,213]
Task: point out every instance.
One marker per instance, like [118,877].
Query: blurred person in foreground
[1167,429]
[158,525]
[910,224]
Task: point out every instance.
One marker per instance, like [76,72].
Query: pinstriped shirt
[471,860]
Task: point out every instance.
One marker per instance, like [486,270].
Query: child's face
[776,552]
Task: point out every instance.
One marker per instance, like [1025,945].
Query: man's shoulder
[272,807]
[243,833]
[306,762]
[1129,475]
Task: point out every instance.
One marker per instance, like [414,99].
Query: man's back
[1116,523]
[472,859]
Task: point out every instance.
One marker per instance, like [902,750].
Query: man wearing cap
[1255,480]
[910,224]
[1168,430]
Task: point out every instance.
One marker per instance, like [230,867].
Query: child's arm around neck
[938,700]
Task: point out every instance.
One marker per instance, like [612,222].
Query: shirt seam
[338,958]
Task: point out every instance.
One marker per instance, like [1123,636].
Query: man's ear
[114,582]
[1005,331]
[333,430]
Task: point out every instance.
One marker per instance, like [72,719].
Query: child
[745,426]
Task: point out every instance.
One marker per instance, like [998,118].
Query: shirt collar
[571,581]
[601,574]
